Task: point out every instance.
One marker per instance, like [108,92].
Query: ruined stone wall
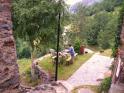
[118,82]
[9,77]
[121,78]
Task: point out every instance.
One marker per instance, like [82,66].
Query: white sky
[71,2]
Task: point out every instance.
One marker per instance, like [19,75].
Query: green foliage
[105,5]
[78,20]
[25,53]
[35,21]
[103,43]
[77,45]
[105,85]
[109,5]
[23,49]
[108,32]
[118,32]
[97,23]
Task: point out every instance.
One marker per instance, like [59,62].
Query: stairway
[59,87]
[66,85]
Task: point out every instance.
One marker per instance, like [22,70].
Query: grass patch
[25,73]
[93,88]
[105,85]
[24,65]
[64,71]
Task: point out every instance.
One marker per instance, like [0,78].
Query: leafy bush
[25,53]
[102,42]
[92,37]
[105,85]
[23,48]
[77,45]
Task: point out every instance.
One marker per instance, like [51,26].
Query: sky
[72,2]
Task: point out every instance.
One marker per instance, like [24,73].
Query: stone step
[60,89]
[66,85]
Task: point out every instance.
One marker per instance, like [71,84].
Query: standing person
[81,49]
[72,53]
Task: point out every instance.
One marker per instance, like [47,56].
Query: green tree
[96,25]
[78,22]
[23,49]
[106,38]
[35,21]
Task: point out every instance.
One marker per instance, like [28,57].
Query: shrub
[102,42]
[105,85]
[25,53]
[77,46]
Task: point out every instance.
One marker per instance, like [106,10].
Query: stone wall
[9,76]
[121,53]
[43,75]
[118,82]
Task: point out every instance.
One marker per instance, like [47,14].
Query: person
[81,49]
[72,53]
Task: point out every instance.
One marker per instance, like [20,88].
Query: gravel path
[92,70]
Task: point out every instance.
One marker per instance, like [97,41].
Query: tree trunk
[9,74]
[33,74]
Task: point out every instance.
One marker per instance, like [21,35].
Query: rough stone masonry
[9,75]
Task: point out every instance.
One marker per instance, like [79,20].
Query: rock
[45,77]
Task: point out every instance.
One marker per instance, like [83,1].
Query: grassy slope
[64,71]
[24,65]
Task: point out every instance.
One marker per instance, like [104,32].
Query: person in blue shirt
[72,53]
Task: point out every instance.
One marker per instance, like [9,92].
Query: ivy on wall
[118,32]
